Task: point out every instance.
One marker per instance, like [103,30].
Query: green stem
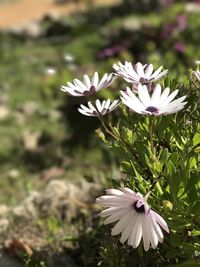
[151,124]
[108,129]
[118,137]
[152,187]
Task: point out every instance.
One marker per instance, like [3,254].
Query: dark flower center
[143,81]
[90,92]
[139,208]
[152,110]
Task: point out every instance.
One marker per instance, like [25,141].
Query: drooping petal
[146,234]
[160,221]
[121,225]
[127,231]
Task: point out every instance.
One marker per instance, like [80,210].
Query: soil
[20,12]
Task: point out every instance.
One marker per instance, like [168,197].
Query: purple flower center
[152,110]
[143,81]
[90,92]
[139,207]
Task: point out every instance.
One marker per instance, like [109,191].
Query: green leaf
[195,233]
[196,139]
[164,155]
[174,157]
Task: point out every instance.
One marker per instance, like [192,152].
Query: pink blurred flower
[180,47]
[167,2]
[168,29]
[181,22]
[110,51]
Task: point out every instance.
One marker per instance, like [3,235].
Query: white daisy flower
[138,73]
[197,74]
[159,103]
[99,109]
[88,86]
[135,220]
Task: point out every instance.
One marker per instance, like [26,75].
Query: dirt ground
[20,12]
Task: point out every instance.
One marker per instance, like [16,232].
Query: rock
[30,107]
[4,223]
[61,260]
[31,140]
[29,30]
[27,209]
[4,112]
[51,173]
[14,173]
[54,115]
[7,261]
[4,210]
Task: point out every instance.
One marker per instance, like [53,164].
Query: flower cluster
[144,97]
[135,220]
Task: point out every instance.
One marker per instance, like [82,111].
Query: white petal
[133,102]
[160,75]
[95,79]
[115,199]
[156,229]
[148,71]
[114,105]
[75,88]
[121,225]
[164,96]
[155,98]
[85,108]
[107,104]
[160,221]
[98,105]
[140,70]
[110,211]
[154,238]
[85,112]
[116,216]
[102,81]
[156,72]
[80,85]
[87,81]
[128,191]
[114,192]
[177,101]
[127,231]
[170,97]
[90,105]
[146,233]
[69,91]
[144,95]
[136,234]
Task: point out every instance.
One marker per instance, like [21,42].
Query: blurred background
[52,165]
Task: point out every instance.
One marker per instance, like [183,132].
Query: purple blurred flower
[167,2]
[181,22]
[110,51]
[168,30]
[180,47]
